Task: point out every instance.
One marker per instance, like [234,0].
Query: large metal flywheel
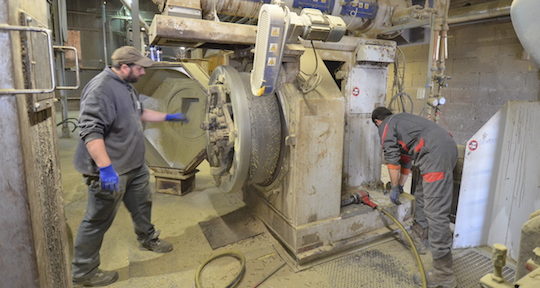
[244,132]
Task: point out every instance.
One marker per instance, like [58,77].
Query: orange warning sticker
[271,61]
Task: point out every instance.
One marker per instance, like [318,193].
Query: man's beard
[130,78]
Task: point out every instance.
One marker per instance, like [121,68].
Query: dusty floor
[384,264]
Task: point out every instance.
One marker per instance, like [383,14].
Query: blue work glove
[394,194]
[109,178]
[176,117]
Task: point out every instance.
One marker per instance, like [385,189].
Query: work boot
[98,278]
[442,275]
[419,236]
[154,244]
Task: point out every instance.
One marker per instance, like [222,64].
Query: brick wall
[487,66]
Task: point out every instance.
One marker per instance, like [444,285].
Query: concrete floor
[178,216]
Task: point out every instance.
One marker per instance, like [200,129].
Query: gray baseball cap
[130,55]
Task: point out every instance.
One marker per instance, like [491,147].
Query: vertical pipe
[60,19]
[430,53]
[135,26]
[104,29]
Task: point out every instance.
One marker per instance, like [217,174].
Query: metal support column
[135,26]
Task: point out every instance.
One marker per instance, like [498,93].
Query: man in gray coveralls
[405,138]
[110,156]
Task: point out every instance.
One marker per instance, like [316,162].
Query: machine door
[173,89]
[244,132]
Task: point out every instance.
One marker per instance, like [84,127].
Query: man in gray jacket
[110,155]
[404,138]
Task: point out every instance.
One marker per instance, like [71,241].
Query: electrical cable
[236,280]
[314,79]
[269,275]
[397,87]
[69,121]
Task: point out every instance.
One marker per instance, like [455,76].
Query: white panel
[501,179]
[474,197]
[517,185]
[366,88]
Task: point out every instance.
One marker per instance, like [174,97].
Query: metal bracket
[77,77]
[51,59]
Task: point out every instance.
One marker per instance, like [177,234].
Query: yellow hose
[236,279]
[411,242]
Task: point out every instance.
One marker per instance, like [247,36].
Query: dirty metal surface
[372,268]
[231,228]
[388,266]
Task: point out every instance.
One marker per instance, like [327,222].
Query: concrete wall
[488,67]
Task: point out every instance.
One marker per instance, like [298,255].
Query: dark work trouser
[101,209]
[434,193]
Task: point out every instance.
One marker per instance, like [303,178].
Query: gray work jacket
[110,110]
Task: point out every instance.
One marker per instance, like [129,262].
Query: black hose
[236,279]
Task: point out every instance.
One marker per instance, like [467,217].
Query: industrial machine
[294,136]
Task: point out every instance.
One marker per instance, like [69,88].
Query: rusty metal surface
[34,240]
[169,30]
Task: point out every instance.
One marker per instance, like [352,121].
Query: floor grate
[380,267]
[470,265]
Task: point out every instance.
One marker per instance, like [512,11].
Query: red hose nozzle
[364,198]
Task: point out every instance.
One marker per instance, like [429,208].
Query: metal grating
[385,267]
[368,269]
[470,265]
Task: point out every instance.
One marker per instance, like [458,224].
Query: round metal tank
[524,14]
[363,17]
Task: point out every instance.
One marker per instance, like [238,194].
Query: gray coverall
[110,110]
[406,137]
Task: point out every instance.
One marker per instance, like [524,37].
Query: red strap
[419,145]
[385,131]
[433,176]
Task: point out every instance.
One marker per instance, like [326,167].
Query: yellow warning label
[273,47]
[275,31]
[271,61]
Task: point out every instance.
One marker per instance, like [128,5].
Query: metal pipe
[104,29]
[431,50]
[141,20]
[481,12]
[135,27]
